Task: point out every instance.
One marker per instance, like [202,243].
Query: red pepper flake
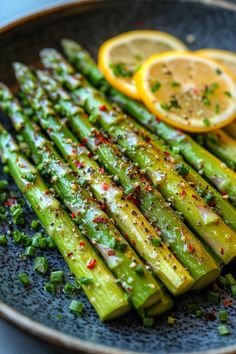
[148,188]
[82,243]
[99,219]
[103,108]
[157,119]
[90,154]
[194,196]
[47,192]
[182,193]
[227,302]
[134,199]
[84,140]
[105,186]
[101,170]
[70,254]
[74,151]
[222,251]
[166,154]
[102,205]
[91,264]
[10,202]
[73,215]
[190,248]
[50,130]
[79,164]
[111,253]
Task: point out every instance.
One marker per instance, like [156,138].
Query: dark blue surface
[212,28]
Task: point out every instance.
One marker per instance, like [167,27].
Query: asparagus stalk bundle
[221,145]
[211,196]
[187,248]
[104,293]
[128,218]
[119,256]
[210,227]
[222,177]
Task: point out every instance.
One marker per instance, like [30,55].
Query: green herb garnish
[41,265]
[76,307]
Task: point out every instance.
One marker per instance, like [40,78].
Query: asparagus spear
[188,249]
[119,256]
[207,164]
[210,227]
[128,218]
[212,197]
[221,145]
[105,295]
[231,129]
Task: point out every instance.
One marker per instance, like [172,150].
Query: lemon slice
[121,56]
[188,91]
[224,57]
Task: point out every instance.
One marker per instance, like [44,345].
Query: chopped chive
[148,322]
[230,279]
[3,197]
[50,288]
[39,241]
[76,307]
[223,330]
[156,241]
[121,70]
[175,84]
[3,216]
[223,316]
[3,240]
[41,265]
[227,93]
[121,245]
[21,238]
[198,313]
[57,276]
[30,251]
[212,138]
[24,279]
[233,290]
[171,320]
[35,224]
[155,85]
[209,197]
[206,122]
[51,243]
[139,269]
[30,177]
[85,281]
[214,297]
[76,284]
[223,281]
[182,169]
[17,213]
[206,101]
[217,108]
[69,289]
[6,169]
[3,184]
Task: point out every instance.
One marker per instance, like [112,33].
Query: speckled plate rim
[27,324]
